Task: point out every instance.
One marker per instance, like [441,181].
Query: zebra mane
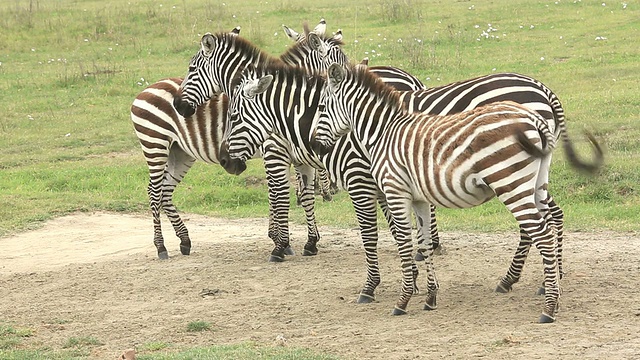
[367,79]
[245,46]
[281,71]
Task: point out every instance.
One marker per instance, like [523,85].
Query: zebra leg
[517,264]
[277,166]
[157,163]
[556,220]
[543,237]
[299,187]
[423,212]
[392,228]
[544,240]
[435,246]
[308,204]
[324,184]
[178,165]
[154,190]
[366,213]
[399,205]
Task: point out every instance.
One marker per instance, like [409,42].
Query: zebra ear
[208,44]
[236,30]
[257,86]
[321,28]
[338,35]
[316,43]
[292,34]
[336,74]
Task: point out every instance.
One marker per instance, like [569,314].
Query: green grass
[245,351]
[69,71]
[198,326]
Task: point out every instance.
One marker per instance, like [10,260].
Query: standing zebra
[455,161]
[262,104]
[171,144]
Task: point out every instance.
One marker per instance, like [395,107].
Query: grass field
[69,71]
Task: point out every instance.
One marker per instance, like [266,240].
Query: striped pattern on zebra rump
[455,161]
[171,145]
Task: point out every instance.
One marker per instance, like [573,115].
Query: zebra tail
[570,152]
[531,148]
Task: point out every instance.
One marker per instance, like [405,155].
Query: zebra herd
[375,132]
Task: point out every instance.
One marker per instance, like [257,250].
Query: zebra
[399,80]
[172,143]
[262,104]
[456,161]
[234,52]
[390,75]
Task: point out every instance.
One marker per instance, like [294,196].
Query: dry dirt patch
[97,275]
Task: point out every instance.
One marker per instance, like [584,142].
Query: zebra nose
[183,107]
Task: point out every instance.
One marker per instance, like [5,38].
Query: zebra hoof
[185,250]
[289,251]
[429,307]
[502,289]
[419,256]
[398,311]
[276,258]
[365,299]
[310,252]
[540,291]
[546,319]
[163,255]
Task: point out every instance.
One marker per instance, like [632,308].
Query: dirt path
[97,275]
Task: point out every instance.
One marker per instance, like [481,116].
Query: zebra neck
[239,61]
[371,118]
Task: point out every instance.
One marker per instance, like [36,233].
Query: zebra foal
[455,161]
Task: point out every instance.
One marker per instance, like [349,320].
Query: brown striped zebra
[454,161]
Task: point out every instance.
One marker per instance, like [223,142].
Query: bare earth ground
[97,275]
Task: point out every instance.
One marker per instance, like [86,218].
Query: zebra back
[156,121]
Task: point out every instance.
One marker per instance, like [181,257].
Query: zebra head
[334,119]
[313,50]
[246,130]
[320,29]
[205,76]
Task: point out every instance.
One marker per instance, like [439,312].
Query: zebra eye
[192,68]
[321,107]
